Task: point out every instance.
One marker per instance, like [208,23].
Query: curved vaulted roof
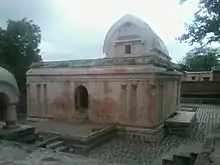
[8,78]
[153,42]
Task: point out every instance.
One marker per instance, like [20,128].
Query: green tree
[19,47]
[183,67]
[200,59]
[206,24]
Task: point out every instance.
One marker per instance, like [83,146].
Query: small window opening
[193,78]
[205,78]
[127,49]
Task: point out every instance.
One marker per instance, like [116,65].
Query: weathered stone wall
[125,103]
[200,92]
[198,76]
[50,99]
[168,97]
[109,101]
[200,87]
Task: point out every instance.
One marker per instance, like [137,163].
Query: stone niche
[134,89]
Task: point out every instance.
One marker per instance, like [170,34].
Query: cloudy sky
[75,29]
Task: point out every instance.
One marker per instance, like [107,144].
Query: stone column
[11,117]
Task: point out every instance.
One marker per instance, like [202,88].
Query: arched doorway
[3,106]
[81,99]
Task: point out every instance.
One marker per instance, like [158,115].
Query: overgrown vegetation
[205,27]
[200,59]
[204,30]
[19,47]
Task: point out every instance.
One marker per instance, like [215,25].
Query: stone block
[187,108]
[180,123]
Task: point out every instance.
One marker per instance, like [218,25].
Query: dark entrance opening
[81,98]
[3,106]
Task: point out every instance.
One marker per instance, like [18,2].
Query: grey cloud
[58,40]
[79,51]
[40,10]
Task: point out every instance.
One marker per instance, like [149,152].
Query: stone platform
[141,134]
[77,138]
[23,133]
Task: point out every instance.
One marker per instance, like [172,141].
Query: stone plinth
[21,133]
[11,117]
[142,134]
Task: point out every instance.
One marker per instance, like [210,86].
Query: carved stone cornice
[138,60]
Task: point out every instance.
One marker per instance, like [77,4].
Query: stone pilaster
[178,93]
[11,117]
[28,98]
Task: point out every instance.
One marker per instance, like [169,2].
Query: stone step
[54,145]
[187,149]
[55,138]
[51,140]
[166,158]
[61,149]
[184,154]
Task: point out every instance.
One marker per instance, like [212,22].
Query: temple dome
[132,30]
[7,78]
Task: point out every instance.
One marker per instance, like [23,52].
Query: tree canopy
[200,59]
[205,27]
[19,47]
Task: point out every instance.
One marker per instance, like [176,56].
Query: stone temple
[134,87]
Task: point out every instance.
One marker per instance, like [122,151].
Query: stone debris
[11,154]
